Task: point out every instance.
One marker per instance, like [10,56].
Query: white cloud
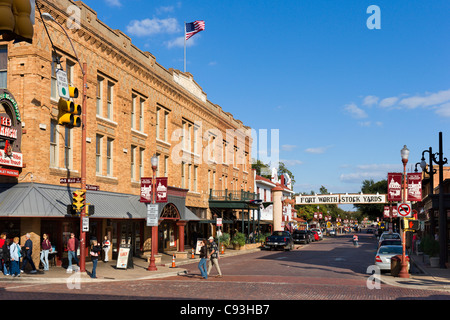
[148,27]
[114,3]
[388,102]
[318,150]
[376,172]
[291,163]
[370,101]
[179,42]
[355,112]
[288,147]
[444,110]
[432,99]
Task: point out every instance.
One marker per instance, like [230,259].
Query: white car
[319,233]
[384,255]
[389,236]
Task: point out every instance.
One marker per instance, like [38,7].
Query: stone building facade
[136,108]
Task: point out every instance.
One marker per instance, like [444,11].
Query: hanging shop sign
[341,199]
[394,187]
[10,134]
[414,186]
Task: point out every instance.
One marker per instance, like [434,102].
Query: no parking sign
[404,210]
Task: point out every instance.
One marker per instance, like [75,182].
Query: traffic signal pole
[83,169]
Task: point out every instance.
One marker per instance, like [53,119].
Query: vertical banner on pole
[415,186]
[394,187]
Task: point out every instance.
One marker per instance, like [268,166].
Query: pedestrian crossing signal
[413,225]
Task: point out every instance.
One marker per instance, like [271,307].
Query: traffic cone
[173,262]
[192,256]
[223,249]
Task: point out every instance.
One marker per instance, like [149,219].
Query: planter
[426,259]
[434,262]
[236,246]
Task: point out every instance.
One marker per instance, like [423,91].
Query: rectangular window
[141,114]
[98,153]
[70,67]
[166,126]
[195,178]
[133,111]
[141,162]
[158,168]
[3,66]
[133,162]
[166,166]
[99,96]
[54,88]
[183,175]
[53,143]
[110,101]
[68,148]
[189,176]
[109,157]
[158,111]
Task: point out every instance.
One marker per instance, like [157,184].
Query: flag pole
[185,46]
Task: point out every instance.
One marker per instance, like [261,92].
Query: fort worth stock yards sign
[341,199]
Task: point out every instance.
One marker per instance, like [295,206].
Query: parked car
[384,255]
[319,232]
[390,242]
[301,236]
[280,239]
[389,235]
[311,236]
[332,232]
[316,235]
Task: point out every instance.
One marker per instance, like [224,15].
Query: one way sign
[404,210]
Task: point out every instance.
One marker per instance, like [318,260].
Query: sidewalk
[426,279]
[108,271]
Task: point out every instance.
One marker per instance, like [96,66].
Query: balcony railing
[230,195]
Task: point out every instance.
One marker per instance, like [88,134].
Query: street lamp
[152,266]
[48,17]
[404,270]
[431,172]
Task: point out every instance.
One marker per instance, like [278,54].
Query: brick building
[136,108]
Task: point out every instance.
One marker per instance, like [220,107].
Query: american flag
[194,27]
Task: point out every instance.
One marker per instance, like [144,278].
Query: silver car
[384,255]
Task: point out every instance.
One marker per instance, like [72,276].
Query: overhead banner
[394,187]
[341,199]
[415,186]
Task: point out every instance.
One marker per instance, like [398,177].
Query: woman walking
[95,251]
[15,258]
[202,263]
[46,248]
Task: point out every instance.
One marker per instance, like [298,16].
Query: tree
[370,187]
[283,169]
[261,168]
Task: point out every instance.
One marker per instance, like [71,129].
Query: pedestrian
[46,248]
[2,242]
[15,255]
[203,255]
[6,258]
[72,247]
[27,253]
[355,240]
[106,246]
[95,251]
[214,258]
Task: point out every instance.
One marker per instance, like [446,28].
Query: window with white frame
[98,153]
[3,66]
[109,156]
[68,151]
[133,162]
[141,162]
[53,85]
[110,100]
[99,96]
[53,143]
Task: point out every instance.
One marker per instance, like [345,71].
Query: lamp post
[404,270]
[152,265]
[48,17]
[430,172]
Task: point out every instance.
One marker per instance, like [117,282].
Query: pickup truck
[301,236]
[280,239]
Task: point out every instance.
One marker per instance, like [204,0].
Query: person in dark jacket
[6,258]
[203,256]
[28,251]
[96,250]
[46,248]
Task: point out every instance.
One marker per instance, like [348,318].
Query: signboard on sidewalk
[122,258]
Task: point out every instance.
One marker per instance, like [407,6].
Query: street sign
[62,84]
[404,210]
[152,215]
[85,224]
[219,222]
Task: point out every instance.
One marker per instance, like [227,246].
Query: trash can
[396,265]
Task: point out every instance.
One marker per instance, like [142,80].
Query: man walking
[27,249]
[214,257]
[72,247]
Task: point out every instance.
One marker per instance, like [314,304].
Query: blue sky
[345,98]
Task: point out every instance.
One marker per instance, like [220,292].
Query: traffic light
[69,111]
[16,20]
[90,210]
[79,200]
[413,224]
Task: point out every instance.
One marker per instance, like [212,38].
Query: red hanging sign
[415,186]
[394,187]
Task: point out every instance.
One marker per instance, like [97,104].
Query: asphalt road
[332,269]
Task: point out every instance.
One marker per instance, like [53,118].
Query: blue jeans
[202,267]
[44,259]
[72,255]
[14,268]
[27,259]
[94,268]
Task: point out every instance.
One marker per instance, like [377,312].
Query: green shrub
[225,239]
[239,239]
